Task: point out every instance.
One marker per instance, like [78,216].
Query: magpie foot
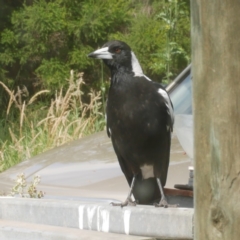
[164,203]
[128,202]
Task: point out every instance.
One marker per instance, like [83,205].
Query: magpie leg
[163,202]
[128,201]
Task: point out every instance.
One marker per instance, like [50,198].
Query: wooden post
[216,88]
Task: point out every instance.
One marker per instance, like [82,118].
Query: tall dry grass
[31,128]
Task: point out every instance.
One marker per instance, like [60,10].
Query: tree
[216,73]
[49,38]
[41,41]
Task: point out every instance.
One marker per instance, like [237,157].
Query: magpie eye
[117,50]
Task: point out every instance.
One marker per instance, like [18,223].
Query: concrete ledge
[170,223]
[12,230]
[40,211]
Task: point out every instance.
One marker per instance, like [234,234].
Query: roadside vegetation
[30,127]
[26,190]
[46,100]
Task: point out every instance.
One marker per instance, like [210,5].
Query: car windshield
[182,96]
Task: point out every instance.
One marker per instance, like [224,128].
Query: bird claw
[128,202]
[164,203]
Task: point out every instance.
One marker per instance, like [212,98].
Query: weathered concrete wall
[216,87]
[148,221]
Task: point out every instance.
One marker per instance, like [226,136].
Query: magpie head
[117,55]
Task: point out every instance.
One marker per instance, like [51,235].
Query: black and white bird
[139,122]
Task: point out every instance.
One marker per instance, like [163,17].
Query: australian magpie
[139,122]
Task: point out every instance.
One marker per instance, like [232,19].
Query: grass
[30,127]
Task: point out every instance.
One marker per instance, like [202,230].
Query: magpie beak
[101,53]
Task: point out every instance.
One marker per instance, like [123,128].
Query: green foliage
[160,36]
[31,127]
[99,18]
[8,42]
[53,71]
[174,16]
[46,39]
[49,38]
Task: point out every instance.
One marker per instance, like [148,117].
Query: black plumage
[139,122]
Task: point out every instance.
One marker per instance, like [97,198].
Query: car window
[181,96]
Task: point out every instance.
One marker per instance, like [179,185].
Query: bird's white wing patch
[147,78]
[164,94]
[109,130]
[137,70]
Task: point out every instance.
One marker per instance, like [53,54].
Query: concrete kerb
[167,223]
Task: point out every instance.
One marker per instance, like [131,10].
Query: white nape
[137,70]
[147,171]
